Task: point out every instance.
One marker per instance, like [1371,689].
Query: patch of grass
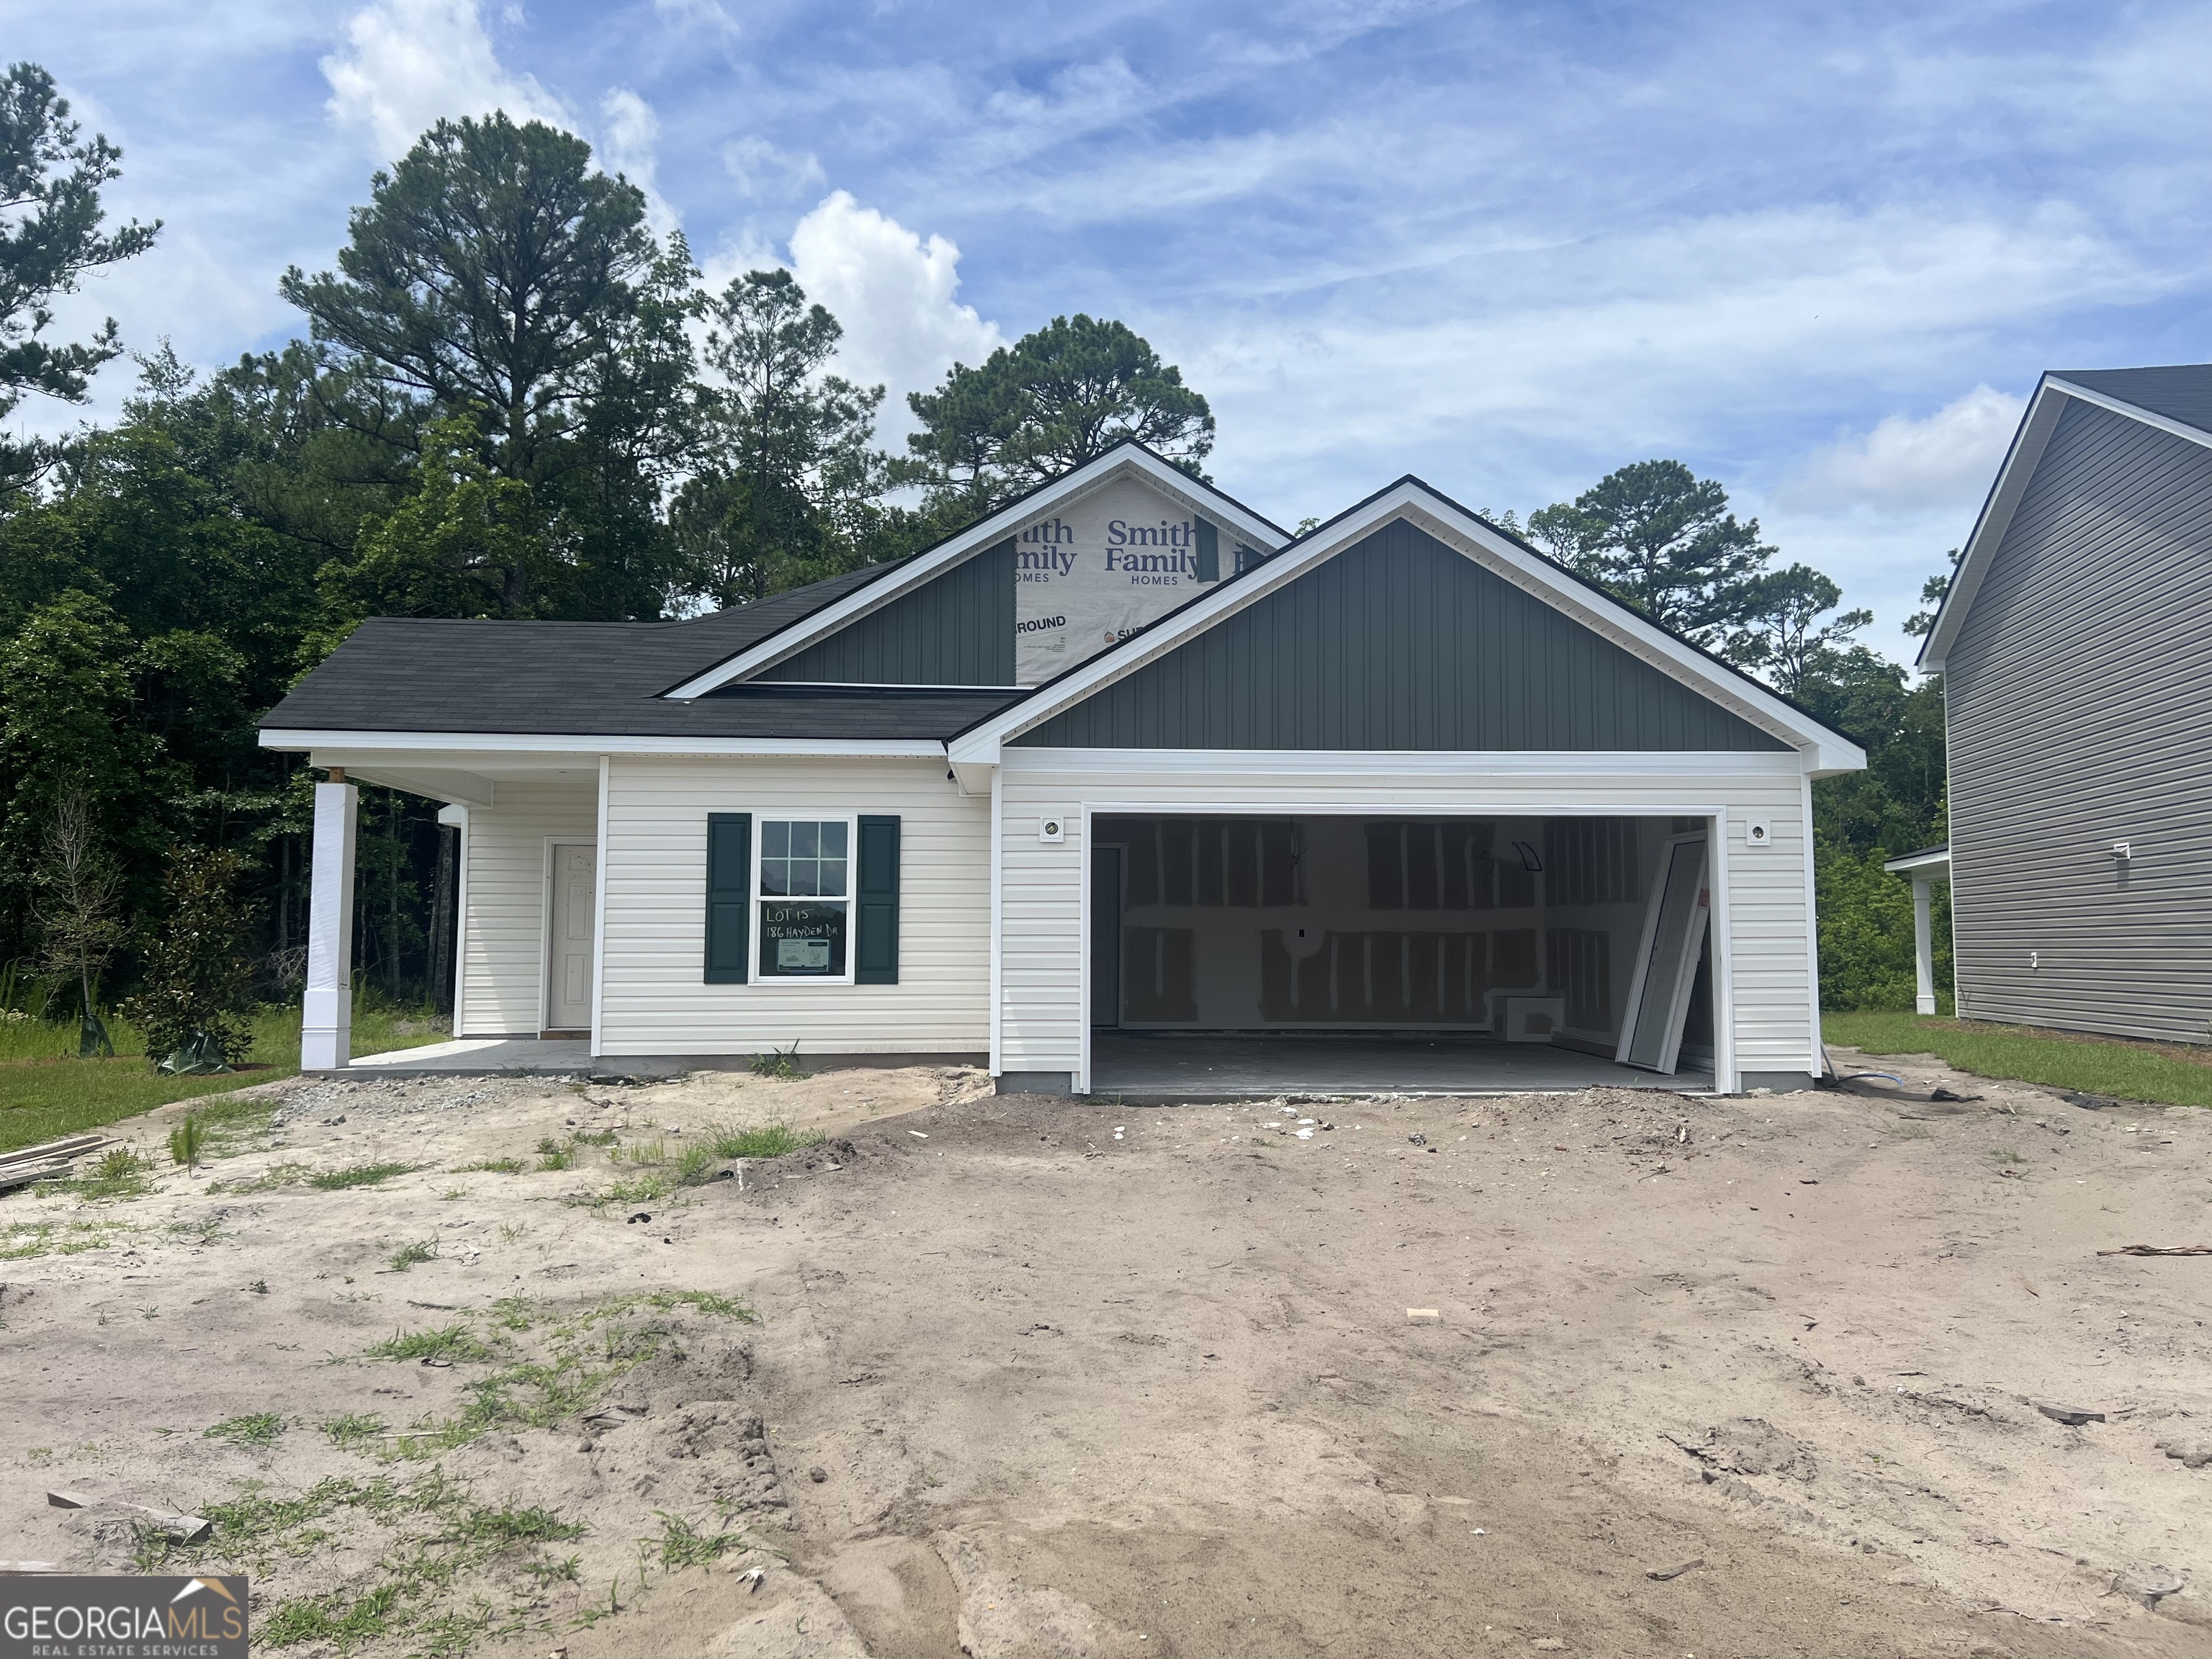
[495,1166]
[647,1188]
[2058,1060]
[694,1165]
[205,1229]
[645,1152]
[681,1545]
[358,1175]
[46,1092]
[552,1155]
[431,1535]
[123,1172]
[455,1342]
[354,1430]
[261,1429]
[771,1139]
[2009,1158]
[26,1241]
[602,1137]
[413,1254]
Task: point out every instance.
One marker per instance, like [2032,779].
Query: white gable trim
[2012,481]
[1819,750]
[586,744]
[1127,461]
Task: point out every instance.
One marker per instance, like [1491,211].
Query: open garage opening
[1251,954]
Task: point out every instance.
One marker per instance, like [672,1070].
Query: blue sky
[1819,254]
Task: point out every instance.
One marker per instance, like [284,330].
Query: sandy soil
[1027,1377]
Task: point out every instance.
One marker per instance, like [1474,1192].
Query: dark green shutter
[729,895]
[1209,552]
[876,898]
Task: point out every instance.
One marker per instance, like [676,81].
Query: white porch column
[327,1022]
[1923,950]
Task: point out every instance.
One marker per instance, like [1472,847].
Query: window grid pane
[802,858]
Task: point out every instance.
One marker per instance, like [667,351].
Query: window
[803,898]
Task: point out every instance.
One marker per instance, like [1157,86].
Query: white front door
[568,961]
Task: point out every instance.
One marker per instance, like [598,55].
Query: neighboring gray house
[2075,647]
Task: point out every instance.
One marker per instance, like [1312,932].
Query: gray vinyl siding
[1400,644]
[2080,695]
[957,630]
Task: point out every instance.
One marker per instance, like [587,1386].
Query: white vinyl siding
[654,997]
[503,930]
[1770,1001]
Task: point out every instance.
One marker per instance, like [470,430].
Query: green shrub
[198,983]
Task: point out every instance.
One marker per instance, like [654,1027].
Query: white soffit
[1819,750]
[1129,461]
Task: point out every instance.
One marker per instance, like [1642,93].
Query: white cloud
[407,63]
[765,173]
[894,294]
[704,15]
[1908,465]
[628,133]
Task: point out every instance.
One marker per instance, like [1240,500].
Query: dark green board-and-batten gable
[955,629]
[1400,643]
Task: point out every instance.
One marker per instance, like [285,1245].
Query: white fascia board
[1084,481]
[1817,750]
[1996,517]
[1467,765]
[395,747]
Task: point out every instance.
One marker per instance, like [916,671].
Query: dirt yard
[1608,1374]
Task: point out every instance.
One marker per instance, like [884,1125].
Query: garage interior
[1247,957]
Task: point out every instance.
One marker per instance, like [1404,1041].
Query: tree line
[510,397]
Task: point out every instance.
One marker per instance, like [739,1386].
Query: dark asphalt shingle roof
[2181,393]
[603,679]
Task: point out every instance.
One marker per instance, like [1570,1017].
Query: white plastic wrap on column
[327,1022]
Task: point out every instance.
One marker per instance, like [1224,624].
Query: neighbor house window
[803,898]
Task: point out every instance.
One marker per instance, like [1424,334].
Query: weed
[705,1301]
[778,1062]
[646,1151]
[1911,1132]
[185,1141]
[409,1255]
[515,1313]
[552,1155]
[123,1173]
[692,1168]
[546,1572]
[509,1232]
[495,1166]
[205,1231]
[681,1545]
[2007,1158]
[333,1618]
[452,1193]
[24,1241]
[454,1342]
[259,1429]
[771,1139]
[259,1287]
[602,1137]
[353,1429]
[642,1189]
[358,1175]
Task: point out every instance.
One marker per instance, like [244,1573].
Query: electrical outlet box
[1052,828]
